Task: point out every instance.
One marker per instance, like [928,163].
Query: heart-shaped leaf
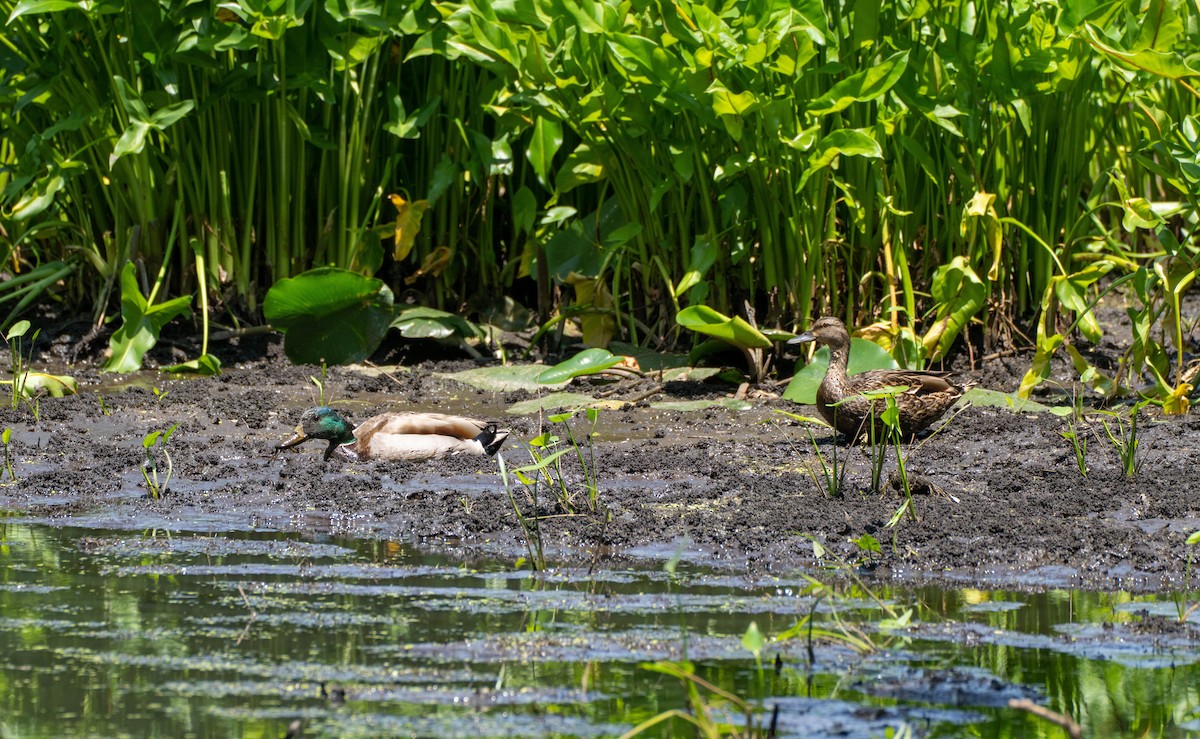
[329,315]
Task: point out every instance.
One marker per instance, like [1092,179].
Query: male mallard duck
[841,401]
[412,436]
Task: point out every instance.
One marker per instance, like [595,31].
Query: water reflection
[131,633]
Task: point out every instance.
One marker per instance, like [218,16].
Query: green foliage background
[907,164]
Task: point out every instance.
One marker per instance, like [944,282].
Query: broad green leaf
[41,383]
[32,7]
[421,322]
[959,294]
[861,86]
[501,378]
[842,142]
[141,324]
[329,315]
[555,401]
[544,143]
[703,256]
[864,356]
[18,329]
[38,199]
[735,331]
[586,362]
[732,404]
[753,640]
[206,365]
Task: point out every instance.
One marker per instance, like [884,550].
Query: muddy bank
[1002,504]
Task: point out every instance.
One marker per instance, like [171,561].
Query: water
[144,634]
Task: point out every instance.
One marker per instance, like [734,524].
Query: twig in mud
[1074,730]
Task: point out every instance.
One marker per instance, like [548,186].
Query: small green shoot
[1124,436]
[831,473]
[6,439]
[548,467]
[320,384]
[154,484]
[159,394]
[20,365]
[1073,434]
[103,406]
[529,526]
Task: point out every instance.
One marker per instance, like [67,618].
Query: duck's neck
[839,358]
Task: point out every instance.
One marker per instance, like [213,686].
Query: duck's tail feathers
[492,438]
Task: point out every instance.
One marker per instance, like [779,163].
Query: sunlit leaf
[329,315]
[408,224]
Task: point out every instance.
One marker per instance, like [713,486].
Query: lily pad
[864,356]
[733,404]
[329,315]
[587,362]
[502,378]
[556,401]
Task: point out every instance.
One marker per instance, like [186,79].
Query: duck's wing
[916,383]
[420,424]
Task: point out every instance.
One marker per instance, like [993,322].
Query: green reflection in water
[129,634]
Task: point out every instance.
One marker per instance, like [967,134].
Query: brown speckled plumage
[925,398]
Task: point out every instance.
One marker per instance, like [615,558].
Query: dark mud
[1001,503]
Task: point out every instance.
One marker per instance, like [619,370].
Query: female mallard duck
[921,397]
[412,436]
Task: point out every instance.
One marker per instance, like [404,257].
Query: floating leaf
[556,401]
[732,404]
[502,378]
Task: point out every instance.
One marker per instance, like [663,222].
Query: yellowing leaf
[598,328]
[433,265]
[408,224]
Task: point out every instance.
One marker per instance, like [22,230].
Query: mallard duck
[412,436]
[921,397]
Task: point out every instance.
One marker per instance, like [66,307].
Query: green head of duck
[323,423]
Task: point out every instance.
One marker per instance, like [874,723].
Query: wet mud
[998,498]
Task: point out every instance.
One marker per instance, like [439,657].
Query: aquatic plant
[547,450]
[530,525]
[6,440]
[1123,433]
[20,370]
[1079,442]
[832,475]
[155,485]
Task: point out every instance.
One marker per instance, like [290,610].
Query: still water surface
[141,634]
